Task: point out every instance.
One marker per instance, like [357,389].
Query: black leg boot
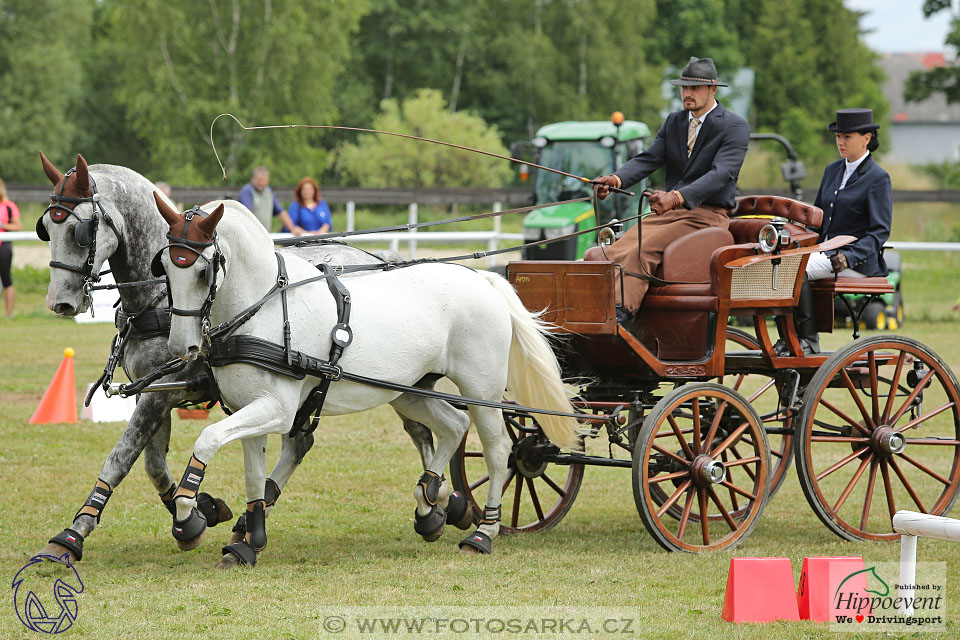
[806,320]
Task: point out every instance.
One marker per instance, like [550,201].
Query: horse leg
[143,426]
[496,453]
[449,425]
[248,548]
[292,451]
[264,415]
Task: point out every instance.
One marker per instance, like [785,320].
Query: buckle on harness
[334,374]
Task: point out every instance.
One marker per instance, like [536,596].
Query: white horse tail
[533,373]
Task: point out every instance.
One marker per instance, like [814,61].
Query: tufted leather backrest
[687,259]
[793,210]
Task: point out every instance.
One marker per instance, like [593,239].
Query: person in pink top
[9,221]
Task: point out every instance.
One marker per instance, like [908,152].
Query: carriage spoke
[730,439]
[868,498]
[850,485]
[907,485]
[723,510]
[704,518]
[874,391]
[511,474]
[667,434]
[712,431]
[673,498]
[756,394]
[479,482]
[729,466]
[921,419]
[696,425]
[848,383]
[671,455]
[849,439]
[685,516]
[856,425]
[736,385]
[669,476]
[935,441]
[742,461]
[912,397]
[888,488]
[733,487]
[740,458]
[853,456]
[683,441]
[515,515]
[924,468]
[534,498]
[553,485]
[894,384]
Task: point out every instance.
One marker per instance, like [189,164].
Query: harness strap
[341,336]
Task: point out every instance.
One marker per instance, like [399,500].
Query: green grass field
[342,533]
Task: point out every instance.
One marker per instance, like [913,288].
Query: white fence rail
[912,525]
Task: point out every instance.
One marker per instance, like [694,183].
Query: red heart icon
[859,618]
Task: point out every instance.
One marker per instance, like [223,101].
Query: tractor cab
[584,149]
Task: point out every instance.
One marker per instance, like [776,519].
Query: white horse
[410,326]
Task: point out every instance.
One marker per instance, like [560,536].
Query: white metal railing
[911,525]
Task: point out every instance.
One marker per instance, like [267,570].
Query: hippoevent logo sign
[45,594]
[874,598]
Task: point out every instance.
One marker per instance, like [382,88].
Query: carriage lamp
[609,234]
[774,236]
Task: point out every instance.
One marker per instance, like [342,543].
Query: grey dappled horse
[124,229]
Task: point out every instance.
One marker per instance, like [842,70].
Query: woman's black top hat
[699,72]
[853,120]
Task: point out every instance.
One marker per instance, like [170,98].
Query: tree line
[138,83]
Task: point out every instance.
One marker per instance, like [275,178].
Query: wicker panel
[755,280]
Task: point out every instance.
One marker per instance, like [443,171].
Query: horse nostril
[64,309]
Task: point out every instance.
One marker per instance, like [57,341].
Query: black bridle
[211,269]
[84,233]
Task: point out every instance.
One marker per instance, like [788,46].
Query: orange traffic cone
[59,401]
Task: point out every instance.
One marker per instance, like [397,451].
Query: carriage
[709,417]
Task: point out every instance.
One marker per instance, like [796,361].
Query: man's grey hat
[699,72]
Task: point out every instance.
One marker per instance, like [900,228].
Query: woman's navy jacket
[863,209]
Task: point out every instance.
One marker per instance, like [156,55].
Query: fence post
[351,215]
[908,571]
[412,219]
[494,243]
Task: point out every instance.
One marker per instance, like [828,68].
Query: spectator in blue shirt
[309,212]
[257,196]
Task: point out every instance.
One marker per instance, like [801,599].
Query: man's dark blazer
[863,209]
[709,176]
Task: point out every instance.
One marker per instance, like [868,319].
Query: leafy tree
[385,161]
[946,80]
[266,62]
[41,79]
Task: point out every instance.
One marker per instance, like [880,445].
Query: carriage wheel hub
[528,458]
[705,471]
[887,441]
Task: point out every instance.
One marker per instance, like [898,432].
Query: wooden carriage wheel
[536,495]
[879,430]
[680,450]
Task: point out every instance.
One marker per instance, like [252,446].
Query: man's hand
[839,262]
[604,183]
[663,201]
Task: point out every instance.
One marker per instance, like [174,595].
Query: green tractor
[585,149]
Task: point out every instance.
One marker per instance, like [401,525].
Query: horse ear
[83,176]
[52,172]
[168,214]
[208,224]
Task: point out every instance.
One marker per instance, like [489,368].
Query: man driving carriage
[702,148]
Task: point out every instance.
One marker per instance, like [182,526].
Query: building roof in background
[898,66]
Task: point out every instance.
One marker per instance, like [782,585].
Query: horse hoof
[433,537]
[459,511]
[57,551]
[190,545]
[469,551]
[228,561]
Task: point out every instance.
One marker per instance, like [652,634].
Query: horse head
[79,243]
[193,266]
